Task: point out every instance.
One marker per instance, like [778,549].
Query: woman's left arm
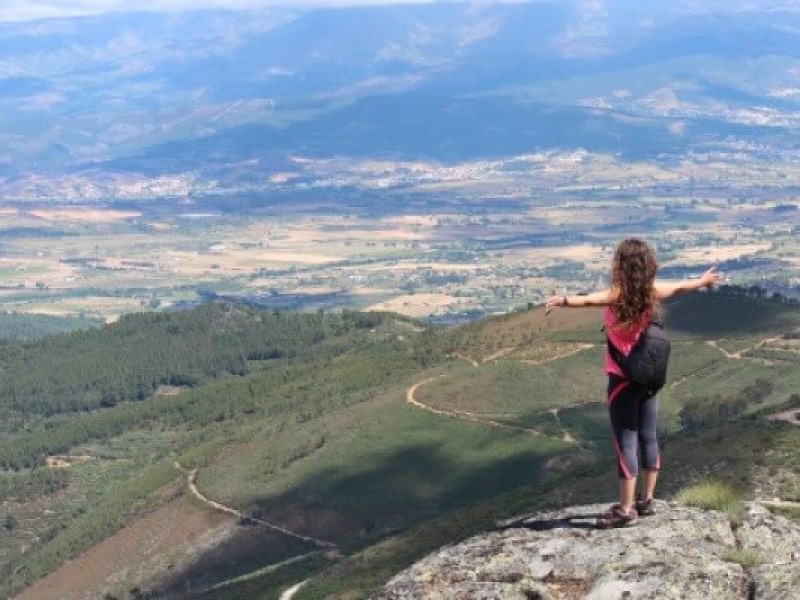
[709,279]
[601,298]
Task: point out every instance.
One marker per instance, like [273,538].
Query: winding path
[289,594]
[458,414]
[191,478]
[489,418]
[567,435]
[725,353]
[471,361]
[790,416]
[579,348]
[739,355]
[498,355]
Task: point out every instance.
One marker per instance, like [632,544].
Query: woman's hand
[711,278]
[553,301]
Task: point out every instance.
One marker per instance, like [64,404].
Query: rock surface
[679,553]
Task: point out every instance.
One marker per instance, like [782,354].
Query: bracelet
[565,302]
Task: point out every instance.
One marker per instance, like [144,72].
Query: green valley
[252,450]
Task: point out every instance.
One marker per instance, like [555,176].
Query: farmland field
[450,259]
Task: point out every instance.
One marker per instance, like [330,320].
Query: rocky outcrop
[679,553]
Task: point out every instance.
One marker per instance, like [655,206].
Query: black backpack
[646,365]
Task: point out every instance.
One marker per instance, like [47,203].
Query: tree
[10,522]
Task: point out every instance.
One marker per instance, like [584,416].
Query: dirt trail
[790,416]
[497,355]
[567,435]
[471,361]
[506,351]
[680,381]
[289,594]
[191,478]
[725,353]
[580,348]
[739,355]
[463,415]
[489,418]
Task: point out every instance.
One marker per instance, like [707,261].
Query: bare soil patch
[63,461]
[408,265]
[707,255]
[109,308]
[168,390]
[577,252]
[83,214]
[416,305]
[223,260]
[166,538]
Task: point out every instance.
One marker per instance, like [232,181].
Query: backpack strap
[615,353]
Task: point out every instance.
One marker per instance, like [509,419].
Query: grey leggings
[633,411]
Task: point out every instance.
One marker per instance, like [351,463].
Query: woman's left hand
[711,278]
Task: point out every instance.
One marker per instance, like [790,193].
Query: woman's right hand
[553,301]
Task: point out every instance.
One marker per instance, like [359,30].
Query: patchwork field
[452,257]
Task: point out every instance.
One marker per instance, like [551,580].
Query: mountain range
[220,93]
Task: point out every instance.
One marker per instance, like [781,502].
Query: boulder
[679,553]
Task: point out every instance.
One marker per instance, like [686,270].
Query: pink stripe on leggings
[611,397]
[625,471]
[618,390]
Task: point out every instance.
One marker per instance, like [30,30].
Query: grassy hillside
[733,453]
[367,439]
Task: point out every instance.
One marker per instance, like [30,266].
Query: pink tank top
[623,339]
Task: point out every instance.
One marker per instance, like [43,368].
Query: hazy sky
[22,10]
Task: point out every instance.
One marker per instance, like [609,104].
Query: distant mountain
[207,91]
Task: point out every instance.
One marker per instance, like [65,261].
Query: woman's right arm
[601,298]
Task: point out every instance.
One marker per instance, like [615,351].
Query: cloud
[590,33]
[27,10]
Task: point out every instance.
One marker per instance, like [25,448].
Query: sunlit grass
[746,557]
[714,495]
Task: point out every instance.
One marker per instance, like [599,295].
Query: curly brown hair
[633,272]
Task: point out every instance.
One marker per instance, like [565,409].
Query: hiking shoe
[614,517]
[645,508]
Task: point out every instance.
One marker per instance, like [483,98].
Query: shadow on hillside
[732,449]
[248,550]
[716,316]
[356,508]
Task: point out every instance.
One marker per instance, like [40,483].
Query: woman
[633,302]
